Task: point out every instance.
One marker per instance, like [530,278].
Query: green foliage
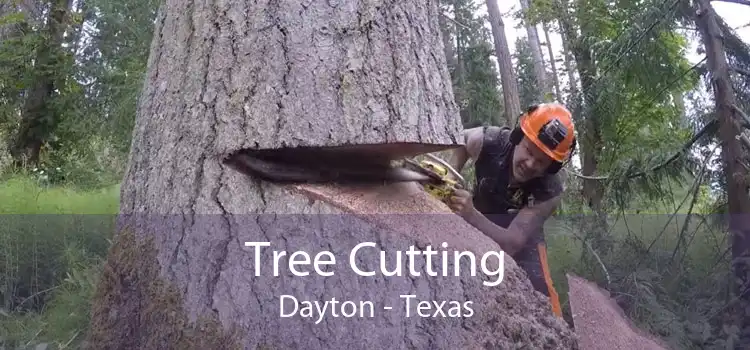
[639,64]
[97,81]
[16,54]
[117,60]
[483,105]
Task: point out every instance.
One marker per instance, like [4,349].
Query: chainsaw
[445,179]
[317,165]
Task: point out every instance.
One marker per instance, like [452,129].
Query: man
[514,167]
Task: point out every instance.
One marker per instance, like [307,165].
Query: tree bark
[570,69]
[536,54]
[460,71]
[553,64]
[179,274]
[448,45]
[589,131]
[732,156]
[511,98]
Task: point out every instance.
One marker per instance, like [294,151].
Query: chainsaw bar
[322,168]
[416,167]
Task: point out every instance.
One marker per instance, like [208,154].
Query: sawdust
[600,323]
[402,199]
[516,317]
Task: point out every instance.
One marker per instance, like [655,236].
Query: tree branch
[745,118]
[453,20]
[741,71]
[707,129]
[741,2]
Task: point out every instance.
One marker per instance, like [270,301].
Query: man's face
[529,161]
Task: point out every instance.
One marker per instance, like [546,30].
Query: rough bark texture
[511,99]
[290,73]
[738,201]
[294,73]
[600,323]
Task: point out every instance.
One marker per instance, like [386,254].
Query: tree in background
[469,53]
[529,89]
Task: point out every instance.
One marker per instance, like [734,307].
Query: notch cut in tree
[223,77]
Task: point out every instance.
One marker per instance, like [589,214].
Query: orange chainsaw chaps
[553,297]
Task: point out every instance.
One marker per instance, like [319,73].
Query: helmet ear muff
[516,135]
[555,167]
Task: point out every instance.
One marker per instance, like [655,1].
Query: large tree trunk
[536,54]
[179,274]
[733,156]
[511,99]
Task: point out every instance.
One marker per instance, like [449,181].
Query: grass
[21,195]
[51,243]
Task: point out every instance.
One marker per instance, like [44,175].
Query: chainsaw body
[440,184]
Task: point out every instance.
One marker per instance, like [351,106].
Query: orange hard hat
[550,127]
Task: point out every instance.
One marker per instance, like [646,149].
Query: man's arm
[470,150]
[528,221]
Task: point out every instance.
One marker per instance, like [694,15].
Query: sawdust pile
[511,315]
[601,323]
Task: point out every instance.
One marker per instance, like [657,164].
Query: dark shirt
[494,198]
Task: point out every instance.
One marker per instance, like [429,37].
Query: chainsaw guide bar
[324,165]
[320,167]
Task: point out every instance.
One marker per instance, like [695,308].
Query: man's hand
[461,202]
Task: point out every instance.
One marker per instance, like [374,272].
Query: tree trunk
[679,103]
[553,64]
[180,276]
[38,117]
[536,54]
[450,57]
[460,71]
[569,68]
[589,133]
[732,156]
[511,99]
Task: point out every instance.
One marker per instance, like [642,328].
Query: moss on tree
[134,307]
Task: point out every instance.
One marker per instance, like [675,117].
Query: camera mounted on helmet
[550,127]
